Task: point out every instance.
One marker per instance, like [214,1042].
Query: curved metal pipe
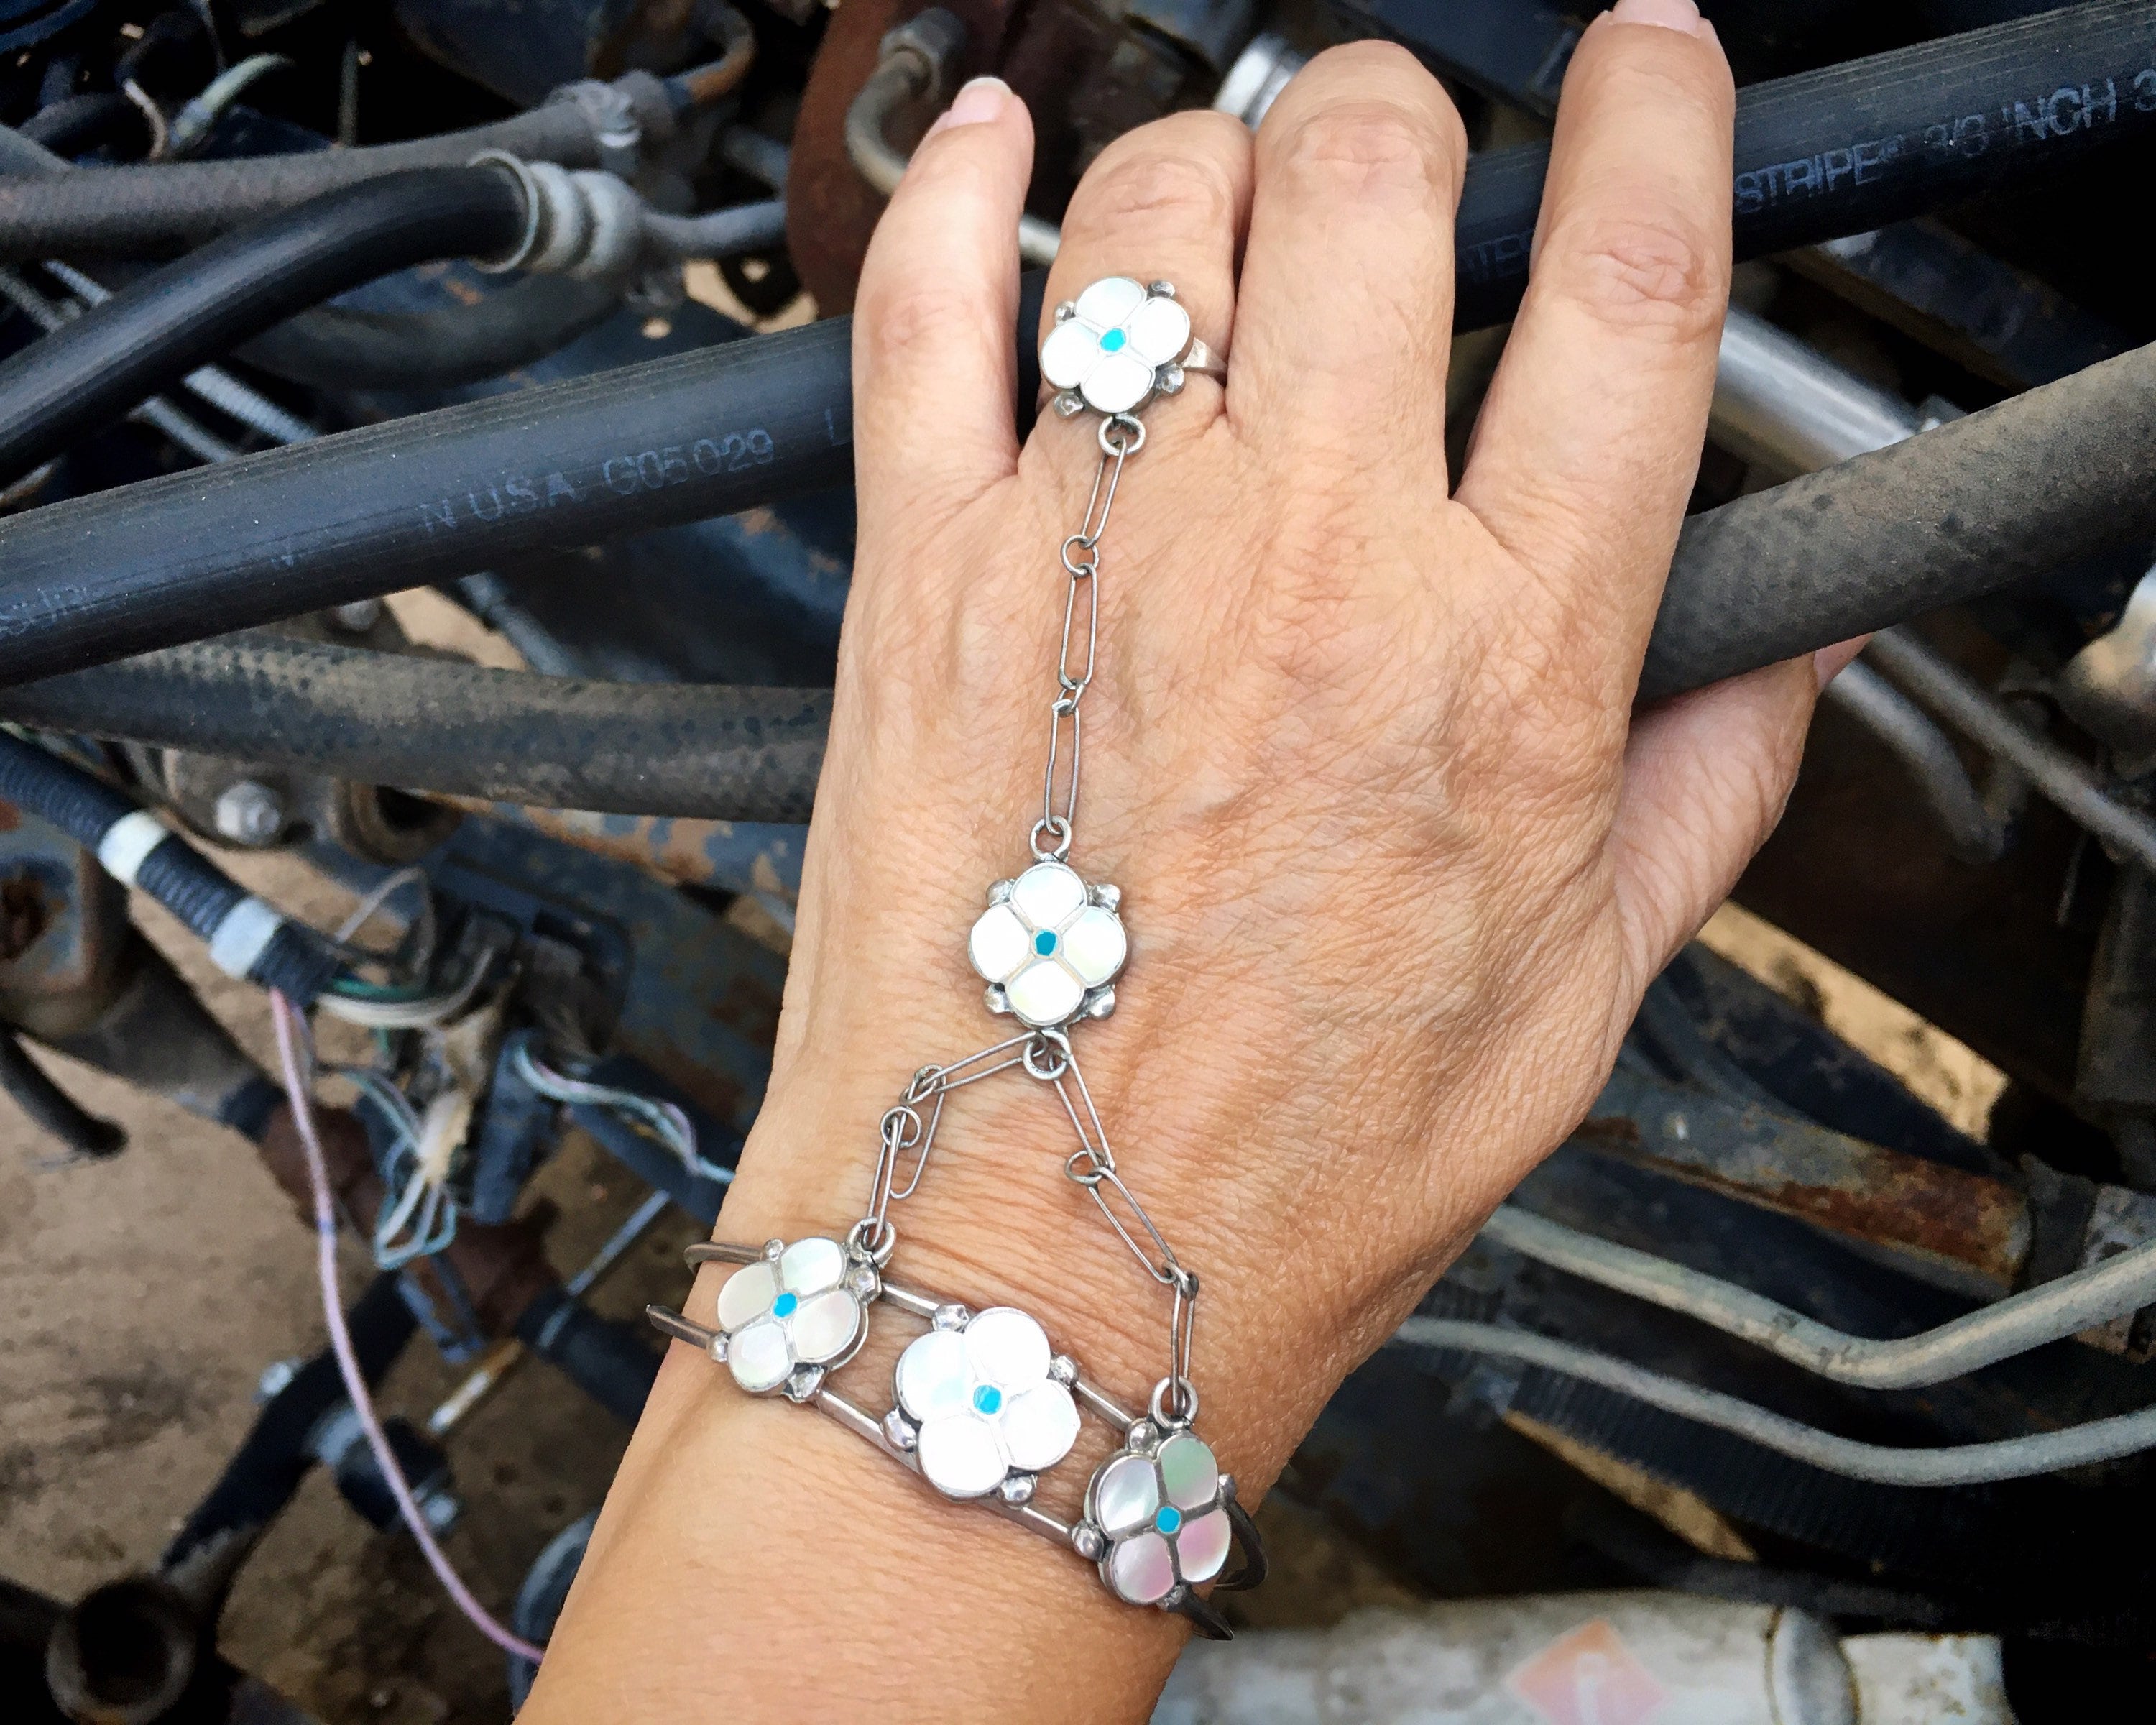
[1976,834]
[2049,1312]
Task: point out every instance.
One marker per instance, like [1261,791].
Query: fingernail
[1829,662]
[1670,14]
[982,98]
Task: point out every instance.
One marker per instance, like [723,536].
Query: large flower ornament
[1049,945]
[1161,1507]
[786,1321]
[1116,344]
[982,1405]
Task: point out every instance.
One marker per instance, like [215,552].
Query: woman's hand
[1397,858]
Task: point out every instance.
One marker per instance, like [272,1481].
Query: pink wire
[291,1036]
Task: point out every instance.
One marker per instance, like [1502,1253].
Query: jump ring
[1185,1395]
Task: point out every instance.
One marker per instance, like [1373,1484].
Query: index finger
[1590,439]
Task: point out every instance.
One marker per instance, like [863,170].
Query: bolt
[249,813]
[358,617]
[440,1509]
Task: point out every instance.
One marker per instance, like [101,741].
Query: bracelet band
[980,1408]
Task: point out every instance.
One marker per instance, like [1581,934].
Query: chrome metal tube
[2049,1312]
[1975,833]
[2053,774]
[1953,1465]
[1778,399]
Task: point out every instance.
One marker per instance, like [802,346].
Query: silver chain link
[1046,1055]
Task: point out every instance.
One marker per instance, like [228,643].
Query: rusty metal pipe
[1958,1229]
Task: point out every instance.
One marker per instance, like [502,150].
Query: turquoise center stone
[785,1305]
[1112,343]
[988,1398]
[1045,942]
[1169,1518]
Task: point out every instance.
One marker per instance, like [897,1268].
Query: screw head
[249,813]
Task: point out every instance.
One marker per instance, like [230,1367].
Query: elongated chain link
[909,1126]
[1120,437]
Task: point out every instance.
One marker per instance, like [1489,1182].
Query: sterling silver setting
[982,1408]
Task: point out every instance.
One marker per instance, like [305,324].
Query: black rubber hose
[246,936]
[52,1108]
[2063,472]
[159,329]
[1852,147]
[78,122]
[154,208]
[423,499]
[607,1360]
[424,724]
[337,347]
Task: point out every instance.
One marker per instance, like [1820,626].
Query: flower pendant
[1049,947]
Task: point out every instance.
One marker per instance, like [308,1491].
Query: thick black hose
[52,1108]
[1851,147]
[339,348]
[159,329]
[159,207]
[440,725]
[423,499]
[2063,472]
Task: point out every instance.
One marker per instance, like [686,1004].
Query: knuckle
[1369,149]
[1185,191]
[1644,271]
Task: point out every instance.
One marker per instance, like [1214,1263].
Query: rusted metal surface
[63,929]
[736,856]
[1964,1229]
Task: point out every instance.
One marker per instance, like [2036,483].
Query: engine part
[1780,401]
[171,323]
[568,39]
[2051,770]
[51,1109]
[131,212]
[1976,834]
[2116,1287]
[1971,507]
[423,724]
[2106,1440]
[440,493]
[246,938]
[342,348]
[2109,687]
[1515,52]
[1599,1657]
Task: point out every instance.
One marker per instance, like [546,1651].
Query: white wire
[421,1013]
[671,1124]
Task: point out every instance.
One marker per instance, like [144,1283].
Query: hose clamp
[535,210]
[586,224]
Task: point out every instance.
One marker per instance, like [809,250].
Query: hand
[1397,858]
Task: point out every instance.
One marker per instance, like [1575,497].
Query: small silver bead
[1141,1437]
[719,1348]
[864,1283]
[1227,1488]
[772,1248]
[900,1430]
[997,1001]
[1017,1488]
[952,1317]
[1099,1002]
[1064,1370]
[1000,892]
[803,1385]
[1088,1541]
[1067,310]
[1166,289]
[1068,405]
[1107,897]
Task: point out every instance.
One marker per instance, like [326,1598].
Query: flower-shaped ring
[1160,1507]
[786,1321]
[1049,945]
[1117,345]
[983,1404]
